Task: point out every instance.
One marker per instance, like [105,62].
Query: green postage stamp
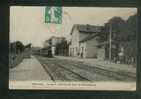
[53,15]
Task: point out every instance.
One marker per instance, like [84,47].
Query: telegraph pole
[110,43]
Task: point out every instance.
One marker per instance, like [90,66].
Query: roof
[107,42]
[86,28]
[89,37]
[57,37]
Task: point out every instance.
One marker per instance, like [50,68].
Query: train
[46,52]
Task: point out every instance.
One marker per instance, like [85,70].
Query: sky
[27,24]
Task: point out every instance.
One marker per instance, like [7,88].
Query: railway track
[95,69]
[58,72]
[76,71]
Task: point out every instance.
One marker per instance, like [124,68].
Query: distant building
[53,42]
[62,48]
[84,42]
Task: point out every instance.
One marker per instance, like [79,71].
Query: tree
[123,34]
[16,47]
[131,48]
[118,28]
[19,46]
[132,27]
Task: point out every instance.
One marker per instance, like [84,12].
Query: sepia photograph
[72,48]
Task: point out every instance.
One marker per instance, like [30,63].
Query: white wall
[101,53]
[92,51]
[74,47]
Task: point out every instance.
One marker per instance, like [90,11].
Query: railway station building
[84,42]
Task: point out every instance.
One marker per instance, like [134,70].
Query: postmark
[56,18]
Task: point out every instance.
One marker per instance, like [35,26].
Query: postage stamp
[53,15]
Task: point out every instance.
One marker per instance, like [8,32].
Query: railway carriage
[46,52]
